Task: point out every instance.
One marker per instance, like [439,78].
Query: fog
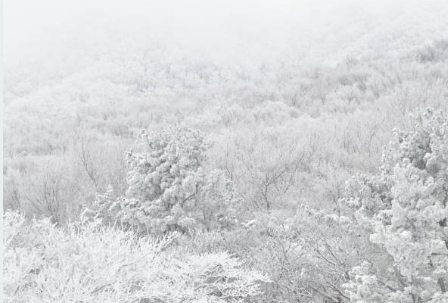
[223,29]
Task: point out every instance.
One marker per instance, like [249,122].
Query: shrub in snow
[94,263]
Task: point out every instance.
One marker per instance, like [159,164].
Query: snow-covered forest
[225,151]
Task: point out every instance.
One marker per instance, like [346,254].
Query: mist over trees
[226,151]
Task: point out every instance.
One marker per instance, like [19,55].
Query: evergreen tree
[168,190]
[405,211]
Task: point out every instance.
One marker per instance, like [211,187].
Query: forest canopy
[258,151]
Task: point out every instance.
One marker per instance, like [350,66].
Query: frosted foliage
[366,287]
[165,165]
[94,263]
[407,208]
[106,207]
[168,190]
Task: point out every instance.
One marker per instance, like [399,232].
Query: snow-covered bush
[95,263]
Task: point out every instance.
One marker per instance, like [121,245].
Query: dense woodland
[291,158]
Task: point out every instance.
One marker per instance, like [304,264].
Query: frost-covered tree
[405,211]
[168,189]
